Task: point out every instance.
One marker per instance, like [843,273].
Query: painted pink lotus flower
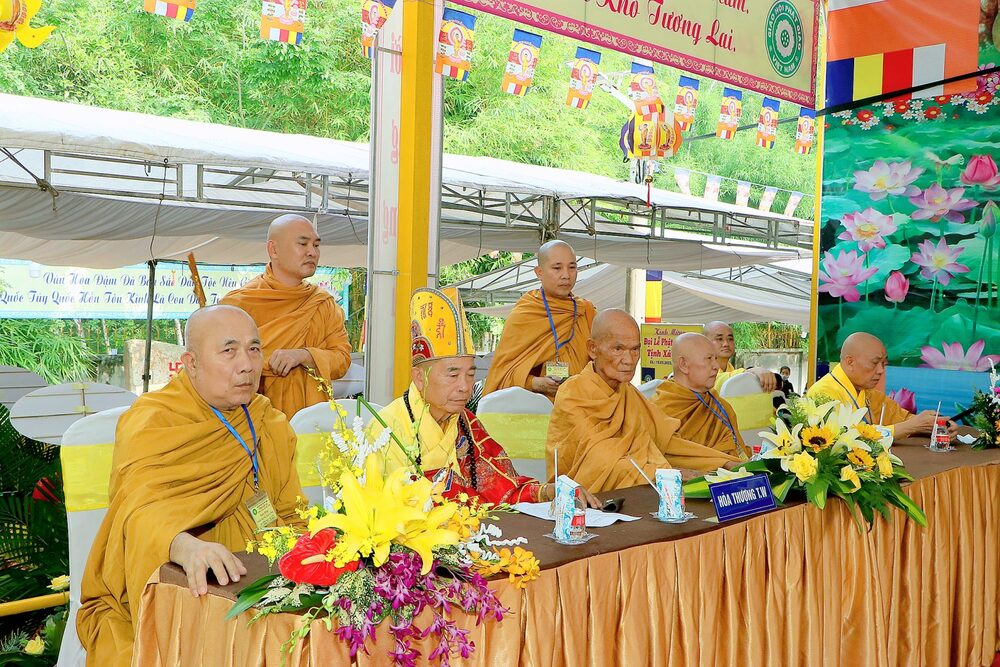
[896,287]
[936,202]
[905,398]
[888,178]
[869,228]
[840,276]
[981,170]
[952,357]
[937,262]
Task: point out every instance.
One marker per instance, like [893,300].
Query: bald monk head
[863,358]
[293,248]
[614,346]
[556,268]
[695,366]
[721,335]
[223,356]
[446,384]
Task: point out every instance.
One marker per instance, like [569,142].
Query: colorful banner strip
[729,115]
[767,199]
[743,193]
[793,203]
[374,14]
[767,124]
[805,131]
[687,102]
[455,42]
[582,78]
[283,20]
[182,10]
[641,89]
[521,62]
[683,178]
[712,185]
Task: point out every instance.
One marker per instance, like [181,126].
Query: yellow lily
[847,474]
[15,21]
[424,535]
[785,442]
[816,413]
[884,464]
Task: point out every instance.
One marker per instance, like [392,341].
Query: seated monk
[600,421]
[187,461]
[435,430]
[721,335]
[852,382]
[301,325]
[705,417]
[544,340]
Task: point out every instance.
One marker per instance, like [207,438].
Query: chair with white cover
[86,454]
[753,406]
[311,425]
[648,389]
[351,384]
[518,419]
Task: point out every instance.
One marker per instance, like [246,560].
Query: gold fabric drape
[797,586]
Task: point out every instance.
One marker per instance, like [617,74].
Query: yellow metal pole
[817,209]
[416,108]
[33,604]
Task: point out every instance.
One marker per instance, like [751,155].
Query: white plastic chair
[311,426]
[352,384]
[518,419]
[649,388]
[754,408]
[86,453]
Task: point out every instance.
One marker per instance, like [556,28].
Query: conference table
[794,586]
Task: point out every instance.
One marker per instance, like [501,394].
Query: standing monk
[189,462]
[544,340]
[301,325]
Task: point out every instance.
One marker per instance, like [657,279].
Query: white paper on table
[595,518]
[966,439]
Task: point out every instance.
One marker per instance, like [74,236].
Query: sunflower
[818,438]
[868,432]
[861,458]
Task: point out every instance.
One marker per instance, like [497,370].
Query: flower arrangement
[986,411]
[825,448]
[386,547]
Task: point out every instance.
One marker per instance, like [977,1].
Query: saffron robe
[176,468]
[496,480]
[699,423]
[290,318]
[597,430]
[527,344]
[838,386]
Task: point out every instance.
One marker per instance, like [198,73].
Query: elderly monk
[705,417]
[600,421]
[852,382]
[434,430]
[190,460]
[301,325]
[544,340]
[721,335]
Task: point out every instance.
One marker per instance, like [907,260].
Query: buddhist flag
[805,131]
[742,193]
[283,20]
[729,117]
[521,62]
[654,296]
[793,203]
[642,90]
[881,46]
[455,41]
[373,16]
[712,184]
[767,125]
[683,178]
[582,77]
[767,199]
[175,9]
[687,102]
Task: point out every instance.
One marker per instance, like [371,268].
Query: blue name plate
[738,498]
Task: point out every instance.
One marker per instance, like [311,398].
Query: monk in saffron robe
[705,417]
[721,335]
[852,382]
[600,421]
[181,479]
[435,433]
[544,340]
[301,325]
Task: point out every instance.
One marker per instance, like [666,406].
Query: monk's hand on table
[197,556]
[545,385]
[918,424]
[768,382]
[282,362]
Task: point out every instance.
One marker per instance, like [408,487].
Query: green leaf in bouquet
[852,506]
[781,489]
[897,497]
[696,488]
[251,595]
[816,491]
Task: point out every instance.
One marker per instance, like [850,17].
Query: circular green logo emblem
[783,37]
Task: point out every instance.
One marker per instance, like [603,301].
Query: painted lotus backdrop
[909,250]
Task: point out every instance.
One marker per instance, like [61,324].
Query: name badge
[262,511]
[557,369]
[742,497]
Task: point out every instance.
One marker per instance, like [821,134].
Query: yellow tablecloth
[793,587]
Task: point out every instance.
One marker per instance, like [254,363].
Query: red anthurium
[306,563]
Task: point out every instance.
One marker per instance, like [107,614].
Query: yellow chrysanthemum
[803,466]
[847,474]
[868,432]
[861,458]
[884,465]
[817,438]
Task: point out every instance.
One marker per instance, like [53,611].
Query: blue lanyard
[868,407]
[243,444]
[552,324]
[722,415]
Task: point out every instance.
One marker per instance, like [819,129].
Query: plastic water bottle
[578,529]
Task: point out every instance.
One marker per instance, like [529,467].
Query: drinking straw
[647,479]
